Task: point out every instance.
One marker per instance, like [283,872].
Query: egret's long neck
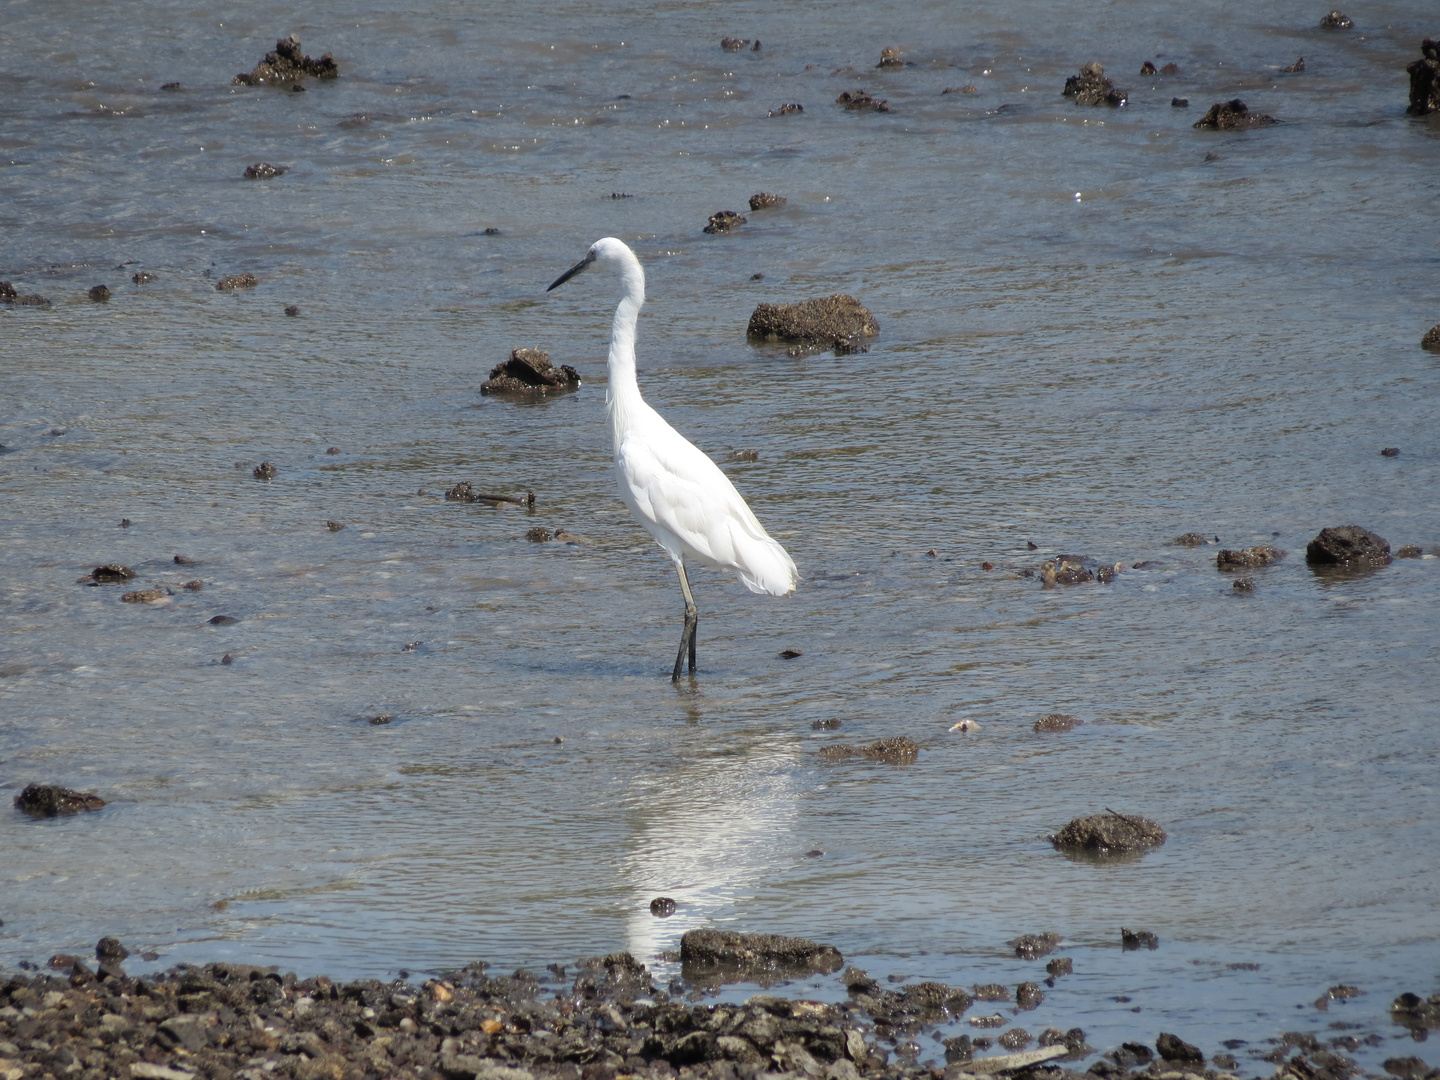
[623,394]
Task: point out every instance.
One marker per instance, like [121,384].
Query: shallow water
[1093,338]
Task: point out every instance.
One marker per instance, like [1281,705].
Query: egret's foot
[687,645]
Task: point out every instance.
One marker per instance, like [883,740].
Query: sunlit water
[1099,330]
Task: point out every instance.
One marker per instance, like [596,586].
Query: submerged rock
[1348,545]
[236,281]
[1233,115]
[1263,555]
[712,949]
[7,291]
[464,491]
[1416,1013]
[1173,1048]
[1091,87]
[1295,68]
[723,221]
[142,278]
[286,63]
[835,321]
[1064,570]
[896,750]
[263,170]
[1337,20]
[788,110]
[1425,94]
[1034,946]
[1061,965]
[1408,551]
[1190,540]
[45,800]
[1109,833]
[763,200]
[99,293]
[145,596]
[890,58]
[1147,68]
[732,44]
[1138,939]
[966,89]
[1057,722]
[862,101]
[265,471]
[111,574]
[529,372]
[1431,340]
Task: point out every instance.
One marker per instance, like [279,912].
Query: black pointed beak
[568,274]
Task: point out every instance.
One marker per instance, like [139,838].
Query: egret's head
[606,250]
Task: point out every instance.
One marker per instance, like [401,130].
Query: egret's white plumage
[674,490]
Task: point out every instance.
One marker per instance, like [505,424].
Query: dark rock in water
[292,310]
[1110,833]
[7,291]
[733,44]
[662,907]
[1409,551]
[1171,68]
[1028,996]
[1407,1068]
[833,321]
[1057,722]
[145,596]
[792,654]
[1138,939]
[829,723]
[1061,965]
[111,573]
[723,221]
[1417,1014]
[1091,87]
[1347,545]
[195,586]
[1248,557]
[99,293]
[287,64]
[763,200]
[1233,115]
[1173,1048]
[1190,540]
[1295,68]
[334,526]
[332,450]
[1337,20]
[44,800]
[171,86]
[142,278]
[1243,585]
[263,170]
[710,949]
[1390,451]
[236,281]
[529,372]
[966,89]
[110,949]
[1431,340]
[861,101]
[265,471]
[1179,103]
[30,300]
[186,560]
[991,992]
[787,110]
[890,58]
[464,491]
[1014,1039]
[1147,68]
[224,620]
[1106,574]
[896,750]
[1034,946]
[539,535]
[1064,570]
[743,455]
[958,1050]
[1425,87]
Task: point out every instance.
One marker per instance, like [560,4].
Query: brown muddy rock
[1390,451]
[45,800]
[334,526]
[1408,1068]
[1416,1013]
[787,110]
[1243,585]
[896,750]
[763,200]
[1337,20]
[1028,996]
[236,281]
[991,992]
[703,950]
[723,221]
[1138,939]
[1248,557]
[733,44]
[1091,87]
[7,291]
[1147,68]
[1295,68]
[110,950]
[833,321]
[1014,1039]
[292,310]
[263,170]
[861,101]
[1425,81]
[662,907]
[1061,965]
[1173,1048]
[1190,540]
[99,293]
[145,596]
[265,471]
[1431,340]
[966,89]
[890,58]
[142,278]
[1034,946]
[1109,833]
[1064,570]
[111,574]
[286,63]
[539,535]
[1348,545]
[464,491]
[1057,722]
[528,373]
[1171,68]
[1233,115]
[1408,551]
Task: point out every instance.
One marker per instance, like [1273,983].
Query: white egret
[673,489]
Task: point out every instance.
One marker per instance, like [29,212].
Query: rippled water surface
[1099,329]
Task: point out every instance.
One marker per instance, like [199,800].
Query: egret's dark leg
[692,620]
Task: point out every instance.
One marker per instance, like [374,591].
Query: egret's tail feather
[769,569]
